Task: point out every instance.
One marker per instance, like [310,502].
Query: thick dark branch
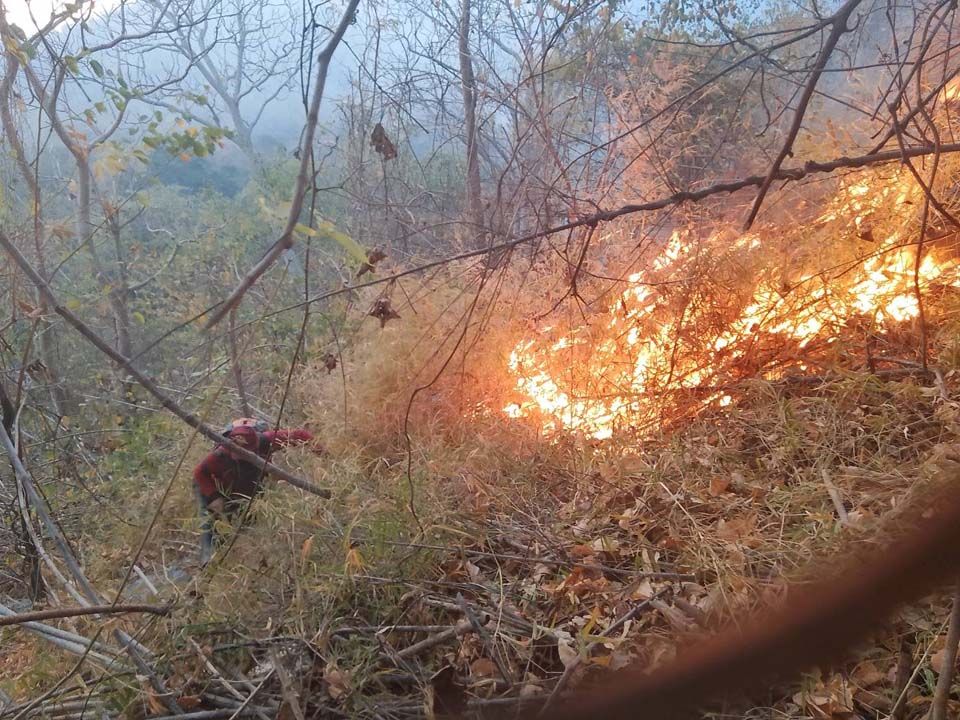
[789,174]
[54,613]
[286,238]
[838,27]
[148,384]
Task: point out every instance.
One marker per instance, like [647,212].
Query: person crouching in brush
[224,482]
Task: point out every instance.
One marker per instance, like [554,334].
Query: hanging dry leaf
[381,143]
[383,312]
[373,257]
[329,362]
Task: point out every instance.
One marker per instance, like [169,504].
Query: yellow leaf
[304,230]
[354,561]
[305,550]
[352,247]
[138,316]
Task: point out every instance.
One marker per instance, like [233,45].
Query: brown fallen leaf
[338,682]
[581,551]
[188,702]
[483,668]
[937,660]
[719,485]
[867,674]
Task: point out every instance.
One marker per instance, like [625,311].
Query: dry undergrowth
[500,567]
[526,556]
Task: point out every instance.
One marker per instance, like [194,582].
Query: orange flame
[596,379]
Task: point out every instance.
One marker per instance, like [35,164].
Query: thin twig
[941,695]
[54,613]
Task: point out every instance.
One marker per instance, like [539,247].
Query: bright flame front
[666,339]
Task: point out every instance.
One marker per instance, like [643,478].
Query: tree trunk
[110,282]
[59,394]
[468,85]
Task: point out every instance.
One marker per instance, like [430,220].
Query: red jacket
[218,474]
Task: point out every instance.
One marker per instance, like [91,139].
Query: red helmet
[244,435]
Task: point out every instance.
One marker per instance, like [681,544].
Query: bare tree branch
[55,613]
[839,26]
[300,187]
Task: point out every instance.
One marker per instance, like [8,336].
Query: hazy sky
[18,11]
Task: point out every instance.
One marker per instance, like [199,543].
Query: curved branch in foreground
[819,622]
[54,613]
[148,384]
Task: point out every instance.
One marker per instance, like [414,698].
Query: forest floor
[511,579]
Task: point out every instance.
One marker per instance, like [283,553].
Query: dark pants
[210,539]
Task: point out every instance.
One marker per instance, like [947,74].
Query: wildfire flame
[659,338]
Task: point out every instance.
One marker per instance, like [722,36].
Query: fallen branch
[209,715]
[54,613]
[222,680]
[148,384]
[461,628]
[63,638]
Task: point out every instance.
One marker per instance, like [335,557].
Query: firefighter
[224,482]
